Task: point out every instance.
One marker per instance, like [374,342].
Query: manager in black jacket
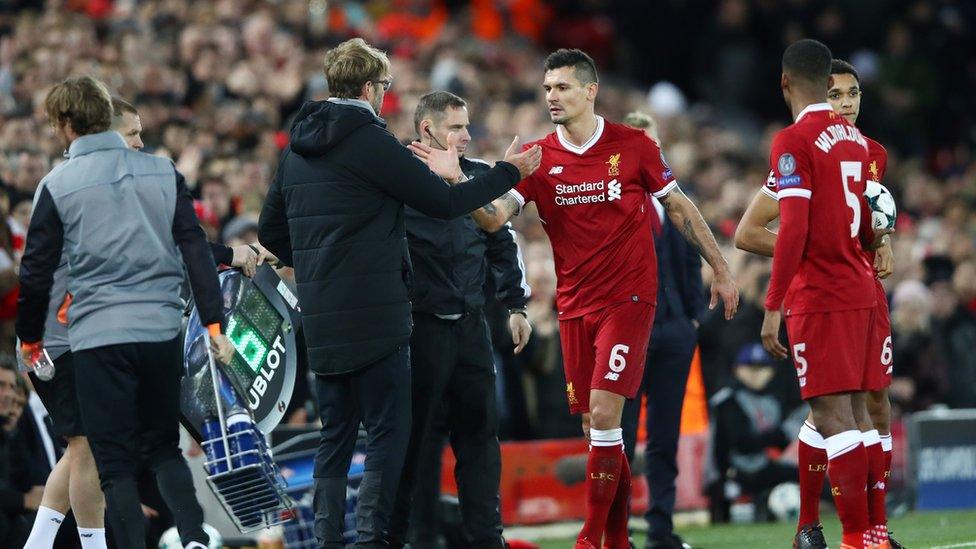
[335,212]
[452,362]
[680,302]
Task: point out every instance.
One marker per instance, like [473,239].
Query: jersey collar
[589,142]
[814,108]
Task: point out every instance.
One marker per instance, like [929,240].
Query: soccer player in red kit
[820,165]
[592,192]
[752,235]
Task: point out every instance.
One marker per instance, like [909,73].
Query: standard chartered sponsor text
[584,187]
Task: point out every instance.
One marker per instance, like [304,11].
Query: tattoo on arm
[493,215]
[689,221]
[490,209]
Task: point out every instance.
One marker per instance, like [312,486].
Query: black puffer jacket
[335,212]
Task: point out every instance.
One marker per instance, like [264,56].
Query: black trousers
[378,396]
[129,397]
[454,374]
[669,357]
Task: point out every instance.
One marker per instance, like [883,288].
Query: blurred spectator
[750,429]
[14,502]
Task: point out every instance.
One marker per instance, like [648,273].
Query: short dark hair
[121,106]
[583,65]
[435,102]
[808,60]
[839,66]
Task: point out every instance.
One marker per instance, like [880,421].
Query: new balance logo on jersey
[556,170]
[612,376]
[880,485]
[613,190]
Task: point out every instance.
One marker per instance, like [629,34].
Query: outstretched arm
[688,220]
[493,216]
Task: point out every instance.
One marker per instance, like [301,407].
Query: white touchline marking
[956,545]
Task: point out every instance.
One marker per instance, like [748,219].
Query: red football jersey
[877,165]
[594,205]
[824,159]
[876,170]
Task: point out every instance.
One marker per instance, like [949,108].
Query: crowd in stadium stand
[216,83]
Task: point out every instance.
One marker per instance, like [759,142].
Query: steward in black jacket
[335,212]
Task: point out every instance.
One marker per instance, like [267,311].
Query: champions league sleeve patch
[666,173]
[786,164]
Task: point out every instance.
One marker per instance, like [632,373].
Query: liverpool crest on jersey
[614,163]
[873,168]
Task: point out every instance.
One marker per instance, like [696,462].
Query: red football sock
[877,516]
[812,462]
[848,468]
[617,536]
[602,479]
[886,445]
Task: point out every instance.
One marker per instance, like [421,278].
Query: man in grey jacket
[119,217]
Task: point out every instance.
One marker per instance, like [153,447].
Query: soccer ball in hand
[784,501]
[882,205]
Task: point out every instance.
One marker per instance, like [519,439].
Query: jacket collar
[96,142]
[355,103]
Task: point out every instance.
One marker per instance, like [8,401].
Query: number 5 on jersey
[617,361]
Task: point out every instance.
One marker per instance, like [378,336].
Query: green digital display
[248,342]
[252,327]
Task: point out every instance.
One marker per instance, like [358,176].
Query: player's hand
[526,161]
[245,259]
[723,286]
[521,331]
[222,348]
[264,256]
[149,512]
[770,334]
[884,261]
[444,163]
[879,238]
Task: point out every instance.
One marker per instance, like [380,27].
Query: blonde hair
[351,64]
[83,102]
[640,120]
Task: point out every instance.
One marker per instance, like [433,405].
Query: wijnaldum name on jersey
[839,132]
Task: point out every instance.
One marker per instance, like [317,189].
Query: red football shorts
[831,350]
[605,349]
[879,363]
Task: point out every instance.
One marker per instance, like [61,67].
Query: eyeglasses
[387,83]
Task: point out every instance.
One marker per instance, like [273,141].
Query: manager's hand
[223,349]
[521,330]
[526,161]
[444,163]
[245,259]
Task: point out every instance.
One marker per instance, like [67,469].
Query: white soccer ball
[171,538]
[784,501]
[882,205]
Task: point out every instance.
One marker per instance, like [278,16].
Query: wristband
[214,329]
[518,311]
